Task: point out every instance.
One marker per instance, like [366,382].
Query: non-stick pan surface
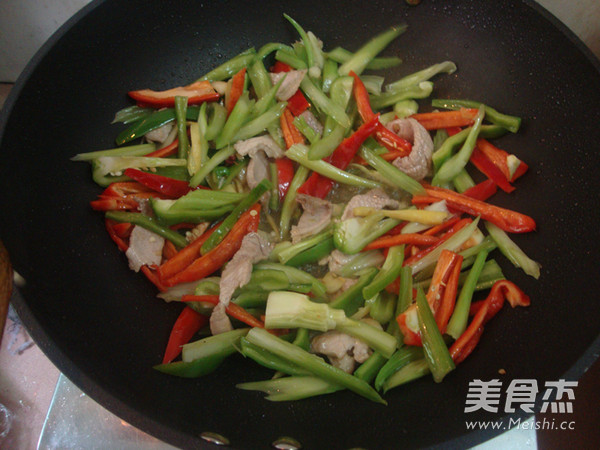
[101,324]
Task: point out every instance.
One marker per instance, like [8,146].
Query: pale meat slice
[336,260]
[342,350]
[145,248]
[219,321]
[257,170]
[315,217]
[417,164]
[290,84]
[312,122]
[252,146]
[375,198]
[163,134]
[237,272]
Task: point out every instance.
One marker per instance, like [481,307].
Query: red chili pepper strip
[164,185]
[389,156]
[169,249]
[499,158]
[482,191]
[297,103]
[184,257]
[448,300]
[316,186]
[446,119]
[396,230]
[186,326]
[457,226]
[198,92]
[122,196]
[384,136]
[168,150]
[453,130]
[392,141]
[110,224]
[319,186]
[236,90]
[291,135]
[223,252]
[113,203]
[467,347]
[153,278]
[512,293]
[123,229]
[441,297]
[508,220]
[487,167]
[281,67]
[443,270]
[285,173]
[361,96]
[124,188]
[233,310]
[410,336]
[500,291]
[343,155]
[423,200]
[115,231]
[399,239]
[442,226]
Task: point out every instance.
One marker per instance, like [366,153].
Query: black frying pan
[101,323]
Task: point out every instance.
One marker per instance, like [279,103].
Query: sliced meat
[258,144]
[197,231]
[312,122]
[219,321]
[145,248]
[337,260]
[375,198]
[315,217]
[220,87]
[162,134]
[237,272]
[342,350]
[290,84]
[257,170]
[417,164]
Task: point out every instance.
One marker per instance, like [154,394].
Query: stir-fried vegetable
[309,217]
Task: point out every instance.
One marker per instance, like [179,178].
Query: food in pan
[306,215]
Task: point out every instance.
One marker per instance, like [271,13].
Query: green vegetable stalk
[511,123]
[180,115]
[299,153]
[389,272]
[312,363]
[434,348]
[231,67]
[292,388]
[363,56]
[204,356]
[352,299]
[391,173]
[218,235]
[512,251]
[453,166]
[458,321]
[148,223]
[292,310]
[352,235]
